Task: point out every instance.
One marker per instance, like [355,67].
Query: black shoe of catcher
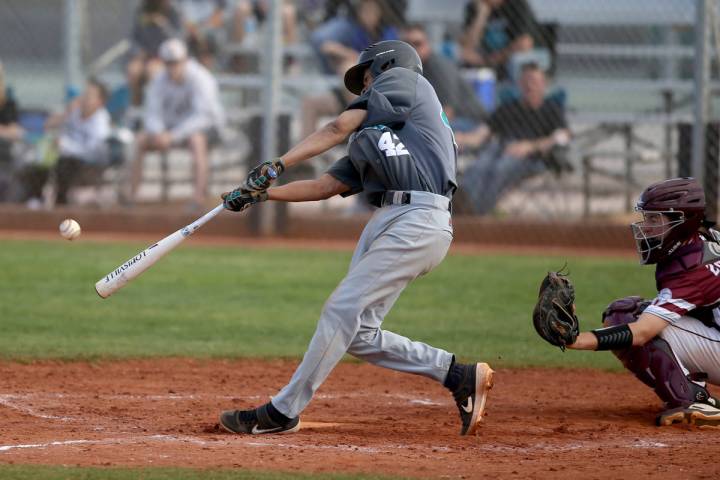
[255,422]
[471,395]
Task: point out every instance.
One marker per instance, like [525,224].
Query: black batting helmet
[379,57]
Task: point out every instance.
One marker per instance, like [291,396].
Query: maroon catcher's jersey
[688,284]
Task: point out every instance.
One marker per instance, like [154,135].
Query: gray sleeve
[344,172]
[390,98]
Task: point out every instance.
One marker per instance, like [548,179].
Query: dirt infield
[161,412]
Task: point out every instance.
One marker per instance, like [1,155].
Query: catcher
[671,343]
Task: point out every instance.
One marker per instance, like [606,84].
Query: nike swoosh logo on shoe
[256,430]
[468,407]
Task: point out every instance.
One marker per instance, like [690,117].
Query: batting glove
[240,199]
[261,177]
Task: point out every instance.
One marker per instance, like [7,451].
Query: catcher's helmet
[379,57]
[673,210]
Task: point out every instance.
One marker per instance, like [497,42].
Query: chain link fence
[624,85]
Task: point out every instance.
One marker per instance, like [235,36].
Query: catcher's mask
[672,211]
[379,57]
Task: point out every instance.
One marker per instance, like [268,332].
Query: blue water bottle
[484,85]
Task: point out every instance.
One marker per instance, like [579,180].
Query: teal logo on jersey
[445,119]
[446,122]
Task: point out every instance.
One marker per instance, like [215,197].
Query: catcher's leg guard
[654,363]
[656,366]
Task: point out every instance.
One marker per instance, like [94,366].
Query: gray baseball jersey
[404,145]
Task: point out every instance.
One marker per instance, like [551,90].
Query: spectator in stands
[203,21]
[248,19]
[182,108]
[529,135]
[455,94]
[500,34]
[82,144]
[81,150]
[155,21]
[10,131]
[340,40]
[249,14]
[393,11]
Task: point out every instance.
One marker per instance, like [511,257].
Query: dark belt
[391,198]
[397,198]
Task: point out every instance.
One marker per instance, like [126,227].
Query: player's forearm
[299,191]
[317,143]
[646,328]
[585,341]
[332,134]
[307,190]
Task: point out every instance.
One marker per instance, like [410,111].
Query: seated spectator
[455,94]
[10,131]
[393,11]
[81,146]
[340,40]
[529,136]
[249,14]
[182,108]
[501,34]
[203,21]
[155,21]
[248,19]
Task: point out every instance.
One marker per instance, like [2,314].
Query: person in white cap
[182,108]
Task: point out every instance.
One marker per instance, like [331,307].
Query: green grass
[57,473]
[241,302]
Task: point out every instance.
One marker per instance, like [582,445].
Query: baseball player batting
[671,343]
[402,155]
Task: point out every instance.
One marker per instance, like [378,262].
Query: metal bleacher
[625,97]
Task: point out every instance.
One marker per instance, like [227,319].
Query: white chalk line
[15,401]
[386,449]
[5,448]
[9,402]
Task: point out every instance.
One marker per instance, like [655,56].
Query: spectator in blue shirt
[496,31]
[340,40]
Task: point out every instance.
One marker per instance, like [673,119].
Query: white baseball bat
[119,277]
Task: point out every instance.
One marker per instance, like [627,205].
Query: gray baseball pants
[399,244]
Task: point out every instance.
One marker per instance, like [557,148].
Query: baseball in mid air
[70,229]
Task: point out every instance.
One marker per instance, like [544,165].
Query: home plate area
[163,412]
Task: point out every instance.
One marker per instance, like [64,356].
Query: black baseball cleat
[476,380]
[256,422]
[698,414]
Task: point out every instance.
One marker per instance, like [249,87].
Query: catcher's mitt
[554,315]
